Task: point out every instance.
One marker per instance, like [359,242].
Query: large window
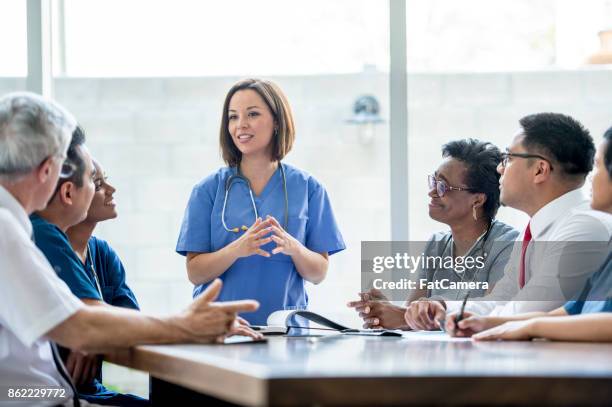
[485,35]
[478,66]
[194,38]
[186,37]
[13,38]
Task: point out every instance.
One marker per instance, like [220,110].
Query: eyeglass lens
[440,186]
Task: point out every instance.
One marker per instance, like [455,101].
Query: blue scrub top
[78,276]
[54,244]
[273,281]
[596,296]
[111,274]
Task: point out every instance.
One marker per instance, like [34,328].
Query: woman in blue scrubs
[261,225]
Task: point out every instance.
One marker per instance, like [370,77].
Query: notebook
[280,322]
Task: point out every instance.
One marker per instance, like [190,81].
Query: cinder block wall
[157,137]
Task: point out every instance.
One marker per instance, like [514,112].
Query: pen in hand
[460,315]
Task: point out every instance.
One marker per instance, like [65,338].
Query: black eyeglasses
[506,156]
[442,186]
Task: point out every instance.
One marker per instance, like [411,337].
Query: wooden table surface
[423,368]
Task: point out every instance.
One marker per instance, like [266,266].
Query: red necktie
[526,240]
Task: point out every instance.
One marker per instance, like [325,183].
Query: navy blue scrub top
[54,244]
[273,281]
[596,296]
[79,277]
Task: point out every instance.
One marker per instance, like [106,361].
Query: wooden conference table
[421,369]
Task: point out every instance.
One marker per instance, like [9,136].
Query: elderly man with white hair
[36,307]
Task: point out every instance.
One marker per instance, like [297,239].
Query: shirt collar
[553,210]
[8,201]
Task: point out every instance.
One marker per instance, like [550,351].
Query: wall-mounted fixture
[366,115]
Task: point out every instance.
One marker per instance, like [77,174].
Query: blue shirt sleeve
[116,290]
[68,266]
[596,296]
[322,233]
[573,307]
[195,234]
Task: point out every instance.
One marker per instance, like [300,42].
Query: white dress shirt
[33,300]
[569,242]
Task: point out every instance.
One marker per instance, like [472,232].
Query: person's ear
[66,192]
[542,171]
[43,172]
[477,203]
[479,200]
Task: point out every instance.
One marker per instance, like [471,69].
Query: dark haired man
[72,196]
[588,316]
[542,174]
[67,207]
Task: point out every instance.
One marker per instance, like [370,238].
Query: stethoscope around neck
[94,272]
[481,243]
[238,177]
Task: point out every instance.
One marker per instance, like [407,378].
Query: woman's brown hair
[284,133]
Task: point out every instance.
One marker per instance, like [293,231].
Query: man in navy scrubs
[67,207]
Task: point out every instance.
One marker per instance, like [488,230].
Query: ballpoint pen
[460,315]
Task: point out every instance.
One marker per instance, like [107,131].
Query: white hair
[32,129]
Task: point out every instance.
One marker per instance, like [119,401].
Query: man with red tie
[542,174]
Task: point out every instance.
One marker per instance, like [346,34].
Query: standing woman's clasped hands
[260,234]
[285,243]
[253,239]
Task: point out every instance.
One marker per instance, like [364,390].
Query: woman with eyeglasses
[262,226]
[464,194]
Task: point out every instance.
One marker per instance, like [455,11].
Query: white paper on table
[433,336]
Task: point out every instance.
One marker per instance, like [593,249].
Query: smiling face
[455,205]
[250,123]
[602,183]
[102,205]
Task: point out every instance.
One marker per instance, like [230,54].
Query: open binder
[280,322]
